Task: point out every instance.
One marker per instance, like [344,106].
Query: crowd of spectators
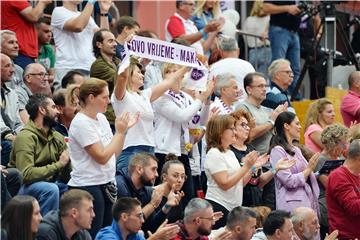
[88,152]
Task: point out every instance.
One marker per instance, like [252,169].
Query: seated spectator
[67,111]
[199,219]
[180,26]
[20,219]
[241,222]
[105,65]
[72,77]
[257,179]
[281,78]
[20,17]
[10,47]
[11,181]
[71,220]
[10,122]
[46,51]
[125,27]
[73,32]
[227,92]
[224,173]
[129,97]
[335,141]
[36,80]
[320,115]
[296,186]
[306,223]
[354,132]
[137,182]
[343,197]
[231,64]
[277,226]
[40,154]
[173,112]
[350,104]
[261,214]
[93,149]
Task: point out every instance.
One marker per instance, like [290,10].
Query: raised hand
[164,232]
[104,5]
[284,163]
[332,236]
[156,196]
[218,215]
[133,119]
[250,159]
[173,198]
[313,161]
[263,159]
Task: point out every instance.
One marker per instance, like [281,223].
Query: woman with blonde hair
[205,11]
[128,97]
[93,149]
[320,115]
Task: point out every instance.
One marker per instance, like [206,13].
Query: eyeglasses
[289,72]
[179,176]
[42,75]
[139,215]
[260,86]
[208,218]
[244,125]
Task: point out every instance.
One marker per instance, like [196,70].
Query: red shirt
[175,27]
[183,235]
[26,35]
[350,105]
[343,203]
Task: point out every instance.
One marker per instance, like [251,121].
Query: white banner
[163,51]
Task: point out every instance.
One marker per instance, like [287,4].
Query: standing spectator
[10,47]
[241,222]
[71,220]
[46,52]
[20,219]
[73,32]
[343,196]
[128,97]
[283,34]
[259,48]
[125,27]
[350,104]
[180,26]
[20,16]
[230,63]
[296,186]
[224,173]
[36,80]
[320,115]
[40,153]
[281,78]
[10,122]
[105,65]
[93,149]
[227,91]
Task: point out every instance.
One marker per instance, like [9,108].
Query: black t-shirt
[285,20]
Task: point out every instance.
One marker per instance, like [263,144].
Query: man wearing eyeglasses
[36,80]
[180,26]
[281,79]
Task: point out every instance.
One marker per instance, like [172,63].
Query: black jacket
[51,228]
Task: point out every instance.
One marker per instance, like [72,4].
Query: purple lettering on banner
[196,119]
[182,55]
[197,74]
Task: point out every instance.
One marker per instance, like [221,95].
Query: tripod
[328,22]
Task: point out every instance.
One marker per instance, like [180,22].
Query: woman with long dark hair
[20,218]
[296,186]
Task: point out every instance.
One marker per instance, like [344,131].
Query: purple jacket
[291,189]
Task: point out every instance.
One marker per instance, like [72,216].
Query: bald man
[350,104]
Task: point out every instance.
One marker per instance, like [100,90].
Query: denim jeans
[102,208]
[6,147]
[263,56]
[123,160]
[47,194]
[286,44]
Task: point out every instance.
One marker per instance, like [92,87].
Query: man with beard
[306,224]
[138,182]
[40,154]
[71,220]
[105,65]
[199,219]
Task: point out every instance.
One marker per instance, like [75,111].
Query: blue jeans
[263,56]
[126,154]
[6,147]
[286,44]
[47,194]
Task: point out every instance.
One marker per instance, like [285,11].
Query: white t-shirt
[142,133]
[73,50]
[83,132]
[235,66]
[217,161]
